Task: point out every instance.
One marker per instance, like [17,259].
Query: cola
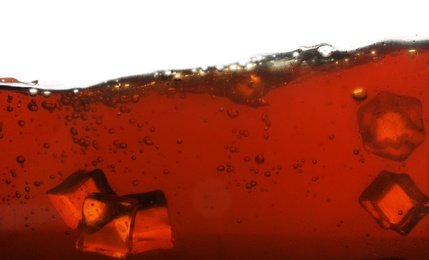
[315,153]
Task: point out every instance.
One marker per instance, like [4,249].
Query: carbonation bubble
[314,161]
[232,113]
[32,106]
[20,159]
[73,131]
[359,94]
[259,159]
[412,53]
[32,91]
[49,105]
[325,50]
[147,140]
[220,168]
[219,67]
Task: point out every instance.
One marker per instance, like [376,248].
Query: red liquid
[261,164]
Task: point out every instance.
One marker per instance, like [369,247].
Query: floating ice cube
[152,229]
[395,202]
[391,126]
[107,224]
[68,197]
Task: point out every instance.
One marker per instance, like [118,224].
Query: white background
[77,43]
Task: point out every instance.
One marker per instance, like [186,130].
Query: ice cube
[395,202]
[391,126]
[68,197]
[107,224]
[152,229]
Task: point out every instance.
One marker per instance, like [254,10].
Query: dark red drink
[310,154]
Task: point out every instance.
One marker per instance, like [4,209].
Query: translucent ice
[68,197]
[391,126]
[395,202]
[152,229]
[107,224]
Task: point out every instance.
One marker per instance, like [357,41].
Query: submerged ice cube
[107,224]
[391,126]
[152,229]
[68,197]
[395,202]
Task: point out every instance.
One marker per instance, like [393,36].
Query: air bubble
[46,93]
[258,58]
[32,91]
[232,113]
[74,131]
[243,62]
[219,67]
[220,168]
[20,159]
[259,159]
[49,105]
[359,94]
[233,149]
[325,50]
[147,140]
[314,161]
[32,106]
[412,53]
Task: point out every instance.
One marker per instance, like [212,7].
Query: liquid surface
[314,153]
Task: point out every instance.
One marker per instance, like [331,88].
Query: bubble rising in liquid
[325,50]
